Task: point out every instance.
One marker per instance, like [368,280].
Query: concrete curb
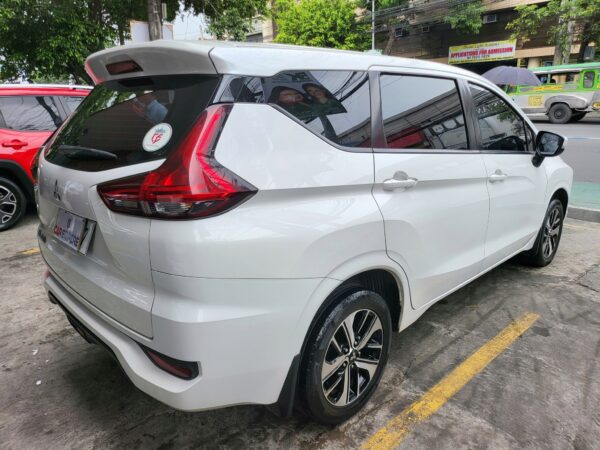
[591,215]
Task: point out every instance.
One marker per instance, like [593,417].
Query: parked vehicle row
[248,224]
[29,114]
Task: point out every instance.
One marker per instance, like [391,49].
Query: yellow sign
[481,52]
[535,100]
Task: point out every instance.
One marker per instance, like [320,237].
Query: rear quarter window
[334,104]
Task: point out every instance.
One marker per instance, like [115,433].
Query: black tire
[362,364]
[12,203]
[577,116]
[546,243]
[560,113]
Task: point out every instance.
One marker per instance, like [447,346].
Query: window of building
[500,126]
[30,113]
[422,113]
[490,18]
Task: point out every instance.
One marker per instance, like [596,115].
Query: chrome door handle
[399,181]
[498,175]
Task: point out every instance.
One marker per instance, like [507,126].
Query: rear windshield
[131,121]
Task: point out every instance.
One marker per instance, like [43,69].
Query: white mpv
[248,224]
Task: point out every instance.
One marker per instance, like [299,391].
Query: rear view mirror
[549,144]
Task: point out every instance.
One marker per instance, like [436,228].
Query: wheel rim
[551,233]
[8,204]
[352,357]
[559,114]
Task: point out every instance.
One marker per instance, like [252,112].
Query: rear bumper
[244,338]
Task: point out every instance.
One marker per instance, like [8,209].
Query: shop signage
[482,52]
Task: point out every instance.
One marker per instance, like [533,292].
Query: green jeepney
[567,92]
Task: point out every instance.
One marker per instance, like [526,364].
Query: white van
[248,224]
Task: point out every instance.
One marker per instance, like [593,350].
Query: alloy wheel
[551,233]
[8,204]
[352,357]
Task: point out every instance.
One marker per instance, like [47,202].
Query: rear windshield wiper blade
[78,152]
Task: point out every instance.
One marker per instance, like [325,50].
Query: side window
[71,103]
[500,126]
[422,113]
[30,113]
[588,79]
[334,104]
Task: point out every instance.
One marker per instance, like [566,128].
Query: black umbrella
[513,76]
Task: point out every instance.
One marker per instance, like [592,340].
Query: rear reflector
[122,67]
[190,184]
[181,369]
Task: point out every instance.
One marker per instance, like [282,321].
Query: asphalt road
[541,392]
[583,147]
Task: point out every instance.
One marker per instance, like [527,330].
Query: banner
[482,52]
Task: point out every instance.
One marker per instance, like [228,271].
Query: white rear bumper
[244,335]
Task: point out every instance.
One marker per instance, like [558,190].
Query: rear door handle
[497,176]
[15,143]
[400,181]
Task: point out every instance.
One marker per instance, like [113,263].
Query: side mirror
[547,144]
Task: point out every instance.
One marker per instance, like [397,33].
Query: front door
[516,187]
[430,187]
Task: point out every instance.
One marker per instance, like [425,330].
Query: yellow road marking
[31,251]
[394,432]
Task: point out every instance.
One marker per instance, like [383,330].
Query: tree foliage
[465,16]
[564,21]
[50,39]
[320,23]
[228,19]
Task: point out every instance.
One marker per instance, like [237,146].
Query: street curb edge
[591,215]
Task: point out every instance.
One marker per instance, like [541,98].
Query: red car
[29,113]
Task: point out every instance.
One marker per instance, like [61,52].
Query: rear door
[122,128]
[430,187]
[517,188]
[26,121]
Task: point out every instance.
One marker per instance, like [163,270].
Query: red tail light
[182,369]
[190,183]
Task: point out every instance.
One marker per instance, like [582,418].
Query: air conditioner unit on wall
[490,18]
[401,32]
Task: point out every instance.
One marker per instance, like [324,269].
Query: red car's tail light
[190,184]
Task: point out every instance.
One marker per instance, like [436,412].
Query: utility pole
[154,20]
[372,24]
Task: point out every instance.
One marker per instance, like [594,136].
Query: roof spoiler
[149,59]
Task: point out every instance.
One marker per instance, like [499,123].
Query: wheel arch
[15,173]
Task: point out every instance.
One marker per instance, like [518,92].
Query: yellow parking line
[394,432]
[31,251]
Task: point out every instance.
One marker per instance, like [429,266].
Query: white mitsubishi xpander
[249,223]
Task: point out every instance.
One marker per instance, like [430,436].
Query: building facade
[422,33]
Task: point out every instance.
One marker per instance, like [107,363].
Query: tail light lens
[190,184]
[181,369]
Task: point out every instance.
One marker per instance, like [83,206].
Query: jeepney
[567,92]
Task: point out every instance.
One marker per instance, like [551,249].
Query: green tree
[320,23]
[465,16]
[50,39]
[229,19]
[565,20]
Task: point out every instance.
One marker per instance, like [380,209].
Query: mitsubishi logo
[55,194]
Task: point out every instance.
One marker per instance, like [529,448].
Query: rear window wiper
[79,152]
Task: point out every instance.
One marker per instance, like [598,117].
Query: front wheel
[548,238]
[345,357]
